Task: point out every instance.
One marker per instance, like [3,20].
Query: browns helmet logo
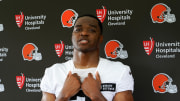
[68,18]
[30,52]
[1,27]
[160,13]
[114,49]
[162,83]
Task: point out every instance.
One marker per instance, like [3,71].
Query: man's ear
[101,39]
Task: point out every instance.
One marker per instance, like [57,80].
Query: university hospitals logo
[115,17]
[164,49]
[20,81]
[162,83]
[114,49]
[30,84]
[30,52]
[59,47]
[68,18]
[149,46]
[19,19]
[160,13]
[101,14]
[31,22]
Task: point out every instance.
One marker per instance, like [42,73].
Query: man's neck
[85,60]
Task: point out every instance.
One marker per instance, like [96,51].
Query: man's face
[86,34]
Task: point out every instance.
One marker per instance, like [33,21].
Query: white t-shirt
[83,73]
[115,77]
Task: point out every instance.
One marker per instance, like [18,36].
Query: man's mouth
[83,41]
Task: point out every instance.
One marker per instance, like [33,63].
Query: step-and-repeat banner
[144,34]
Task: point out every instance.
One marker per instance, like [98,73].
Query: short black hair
[95,17]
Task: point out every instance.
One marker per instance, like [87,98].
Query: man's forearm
[62,99]
[98,97]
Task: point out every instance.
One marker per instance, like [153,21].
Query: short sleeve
[126,82]
[46,85]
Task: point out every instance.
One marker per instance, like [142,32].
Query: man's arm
[48,97]
[123,96]
[71,87]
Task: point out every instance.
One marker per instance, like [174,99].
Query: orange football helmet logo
[114,49]
[68,18]
[162,83]
[161,13]
[30,52]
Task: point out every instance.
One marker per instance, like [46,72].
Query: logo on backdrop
[1,86]
[59,47]
[160,13]
[3,53]
[31,84]
[115,17]
[30,52]
[148,46]
[68,18]
[162,83]
[114,49]
[19,19]
[31,22]
[67,49]
[68,52]
[1,27]
[162,49]
[20,80]
[101,13]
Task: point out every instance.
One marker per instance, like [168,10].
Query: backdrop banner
[35,34]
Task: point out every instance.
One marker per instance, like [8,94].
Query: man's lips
[83,41]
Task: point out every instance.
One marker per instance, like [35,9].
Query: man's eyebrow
[93,25]
[78,26]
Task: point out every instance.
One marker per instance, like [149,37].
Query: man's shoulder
[113,64]
[109,70]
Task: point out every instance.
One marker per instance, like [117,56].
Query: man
[87,77]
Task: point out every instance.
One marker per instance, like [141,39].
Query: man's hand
[71,87]
[91,87]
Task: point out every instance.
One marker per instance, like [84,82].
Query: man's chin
[83,50]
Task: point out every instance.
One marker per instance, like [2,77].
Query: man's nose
[84,33]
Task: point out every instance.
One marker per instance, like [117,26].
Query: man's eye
[77,30]
[92,30]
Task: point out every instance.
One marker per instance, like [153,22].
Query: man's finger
[69,74]
[89,74]
[76,75]
[98,77]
